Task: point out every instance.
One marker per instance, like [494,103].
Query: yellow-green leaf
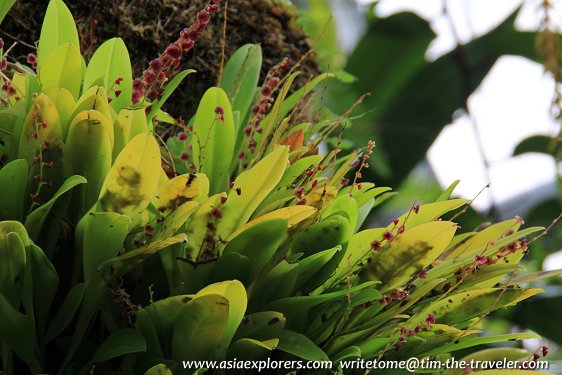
[214,139]
[131,183]
[254,185]
[480,240]
[411,251]
[294,215]
[58,28]
[237,298]
[62,69]
[109,62]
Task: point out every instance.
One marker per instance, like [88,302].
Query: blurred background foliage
[413,98]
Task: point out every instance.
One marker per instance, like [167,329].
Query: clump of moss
[147,27]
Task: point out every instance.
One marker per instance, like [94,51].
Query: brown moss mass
[148,26]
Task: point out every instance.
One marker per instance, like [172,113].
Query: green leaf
[214,139]
[65,104]
[100,236]
[252,350]
[58,28]
[268,233]
[409,252]
[465,305]
[482,239]
[156,322]
[301,346]
[200,328]
[533,277]
[428,212]
[255,184]
[13,179]
[312,265]
[62,69]
[323,235]
[14,243]
[358,250]
[40,286]
[66,311]
[130,184]
[298,168]
[446,195]
[160,369]
[168,90]
[539,143]
[297,305]
[129,123]
[89,148]
[240,78]
[5,6]
[110,61]
[263,325]
[278,283]
[235,293]
[124,263]
[119,343]
[34,221]
[468,342]
[18,334]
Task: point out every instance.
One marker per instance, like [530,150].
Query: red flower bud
[266,91]
[186,44]
[137,85]
[156,65]
[173,51]
[429,320]
[388,236]
[31,59]
[192,34]
[203,17]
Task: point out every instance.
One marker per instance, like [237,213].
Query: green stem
[7,360]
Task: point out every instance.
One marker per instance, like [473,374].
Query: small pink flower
[32,59]
[429,320]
